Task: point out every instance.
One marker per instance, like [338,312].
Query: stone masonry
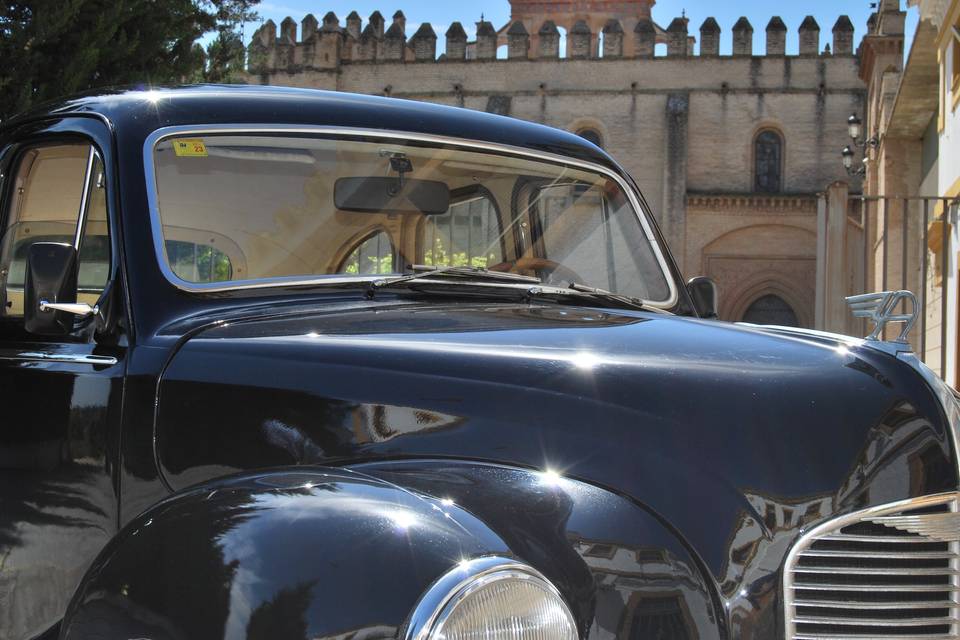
[684,123]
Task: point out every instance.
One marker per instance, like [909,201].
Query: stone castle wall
[683,125]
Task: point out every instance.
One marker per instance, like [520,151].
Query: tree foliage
[51,48]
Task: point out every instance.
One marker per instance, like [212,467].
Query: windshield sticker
[190,148]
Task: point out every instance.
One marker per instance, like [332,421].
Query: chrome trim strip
[874,622]
[807,538]
[918,588]
[267,129]
[443,595]
[888,555]
[870,636]
[68,358]
[871,571]
[881,606]
[84,198]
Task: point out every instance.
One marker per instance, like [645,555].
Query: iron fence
[906,244]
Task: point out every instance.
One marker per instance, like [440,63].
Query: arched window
[375,255]
[591,135]
[768,162]
[771,309]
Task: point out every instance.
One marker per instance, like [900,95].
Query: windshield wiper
[467,274]
[606,296]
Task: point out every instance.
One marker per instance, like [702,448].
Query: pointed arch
[769,154]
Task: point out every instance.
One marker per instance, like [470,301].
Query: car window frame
[464,194]
[528,194]
[10,157]
[360,239]
[160,134]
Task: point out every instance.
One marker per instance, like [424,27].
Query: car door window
[375,254]
[52,184]
[94,254]
[468,234]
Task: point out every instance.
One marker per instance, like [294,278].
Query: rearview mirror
[703,291]
[391,195]
[51,278]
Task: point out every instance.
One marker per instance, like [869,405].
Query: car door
[59,396]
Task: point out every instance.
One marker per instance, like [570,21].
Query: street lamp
[854,126]
[855,129]
[847,154]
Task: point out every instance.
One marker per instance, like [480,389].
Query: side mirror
[50,283]
[703,290]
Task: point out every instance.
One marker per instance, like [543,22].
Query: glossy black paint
[709,425]
[321,553]
[59,444]
[694,452]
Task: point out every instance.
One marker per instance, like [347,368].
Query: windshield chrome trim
[161,134]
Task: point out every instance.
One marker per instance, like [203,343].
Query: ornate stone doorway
[771,309]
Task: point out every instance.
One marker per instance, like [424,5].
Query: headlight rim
[444,594]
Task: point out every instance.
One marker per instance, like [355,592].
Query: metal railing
[905,244]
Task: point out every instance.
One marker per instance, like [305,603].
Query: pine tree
[226,55]
[52,48]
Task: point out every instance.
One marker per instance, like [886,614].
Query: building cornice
[751,203]
[873,47]
[917,95]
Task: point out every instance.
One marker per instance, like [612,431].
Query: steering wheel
[554,269]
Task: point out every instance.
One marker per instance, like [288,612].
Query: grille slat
[882,539]
[879,571]
[856,604]
[871,636]
[873,622]
[891,572]
[896,555]
[865,587]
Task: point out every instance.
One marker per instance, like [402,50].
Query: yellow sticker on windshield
[190,148]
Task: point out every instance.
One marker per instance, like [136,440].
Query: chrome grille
[887,572]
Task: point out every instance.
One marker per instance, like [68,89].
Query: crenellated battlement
[326,45]
[728,148]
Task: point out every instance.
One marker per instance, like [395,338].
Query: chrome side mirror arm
[79,309]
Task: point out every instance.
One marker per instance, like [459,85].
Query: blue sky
[441,14]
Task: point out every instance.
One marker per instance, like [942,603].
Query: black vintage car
[298,365]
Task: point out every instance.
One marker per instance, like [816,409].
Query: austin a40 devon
[281,364]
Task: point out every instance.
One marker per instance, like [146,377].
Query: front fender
[289,554]
[624,572]
[346,553]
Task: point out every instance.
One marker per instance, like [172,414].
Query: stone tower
[596,14]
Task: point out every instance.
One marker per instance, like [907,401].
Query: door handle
[81,309]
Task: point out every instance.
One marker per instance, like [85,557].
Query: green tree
[51,48]
[226,55]
[225,58]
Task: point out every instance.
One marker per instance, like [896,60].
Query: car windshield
[236,210]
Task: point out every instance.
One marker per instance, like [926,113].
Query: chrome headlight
[492,599]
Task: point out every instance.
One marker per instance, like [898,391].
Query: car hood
[715,427]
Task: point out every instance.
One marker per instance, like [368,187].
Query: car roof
[144,110]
